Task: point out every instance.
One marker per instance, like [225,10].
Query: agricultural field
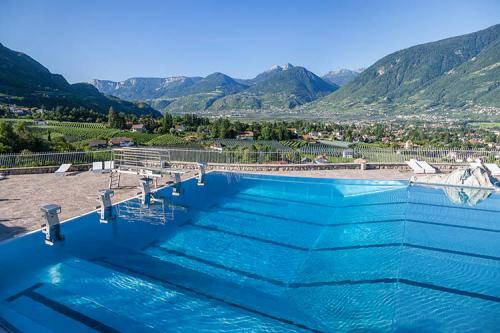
[294,144]
[166,140]
[486,125]
[251,144]
[80,134]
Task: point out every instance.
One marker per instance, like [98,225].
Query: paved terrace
[22,195]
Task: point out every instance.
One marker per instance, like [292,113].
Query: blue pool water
[266,254]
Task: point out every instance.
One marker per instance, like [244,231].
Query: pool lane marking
[217,208]
[450,290]
[336,248]
[341,248]
[437,249]
[238,195]
[307,203]
[62,309]
[152,278]
[221,266]
[453,225]
[287,245]
[24,292]
[283,284]
[297,285]
[454,207]
[8,327]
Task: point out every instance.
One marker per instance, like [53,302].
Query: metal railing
[332,154]
[375,155]
[53,159]
[392,155]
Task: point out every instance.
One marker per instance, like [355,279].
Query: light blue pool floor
[273,255]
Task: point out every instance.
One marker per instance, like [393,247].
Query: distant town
[39,129]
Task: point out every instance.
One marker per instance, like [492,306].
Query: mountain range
[25,82]
[460,73]
[278,88]
[458,76]
[342,76]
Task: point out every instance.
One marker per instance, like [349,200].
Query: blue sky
[118,39]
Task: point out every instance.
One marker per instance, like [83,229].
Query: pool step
[12,321]
[312,237]
[241,226]
[205,286]
[47,317]
[88,296]
[310,215]
[89,311]
[267,261]
[288,211]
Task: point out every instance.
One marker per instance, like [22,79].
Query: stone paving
[22,195]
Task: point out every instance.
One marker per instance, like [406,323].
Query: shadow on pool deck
[9,231]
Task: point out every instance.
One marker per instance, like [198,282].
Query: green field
[486,125]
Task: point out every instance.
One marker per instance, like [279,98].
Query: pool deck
[21,196]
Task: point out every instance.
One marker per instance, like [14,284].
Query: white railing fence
[53,159]
[333,155]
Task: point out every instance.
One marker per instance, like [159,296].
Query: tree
[60,144]
[167,122]
[13,140]
[114,119]
[266,132]
[8,138]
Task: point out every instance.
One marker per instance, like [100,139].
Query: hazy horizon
[116,40]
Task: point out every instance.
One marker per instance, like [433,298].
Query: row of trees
[18,138]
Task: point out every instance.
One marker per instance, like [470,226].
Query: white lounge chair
[427,167]
[493,169]
[97,167]
[109,166]
[415,166]
[62,169]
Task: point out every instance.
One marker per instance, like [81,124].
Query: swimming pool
[265,253]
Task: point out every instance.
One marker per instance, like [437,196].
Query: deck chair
[109,166]
[427,167]
[415,166]
[493,169]
[96,167]
[62,169]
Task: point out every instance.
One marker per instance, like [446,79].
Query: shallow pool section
[250,253]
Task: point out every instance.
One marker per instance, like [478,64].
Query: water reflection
[158,210]
[466,196]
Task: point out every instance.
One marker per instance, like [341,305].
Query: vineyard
[267,145]
[166,140]
[77,133]
[76,124]
[320,148]
[83,132]
[294,144]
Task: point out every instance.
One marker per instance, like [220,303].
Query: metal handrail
[371,154]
